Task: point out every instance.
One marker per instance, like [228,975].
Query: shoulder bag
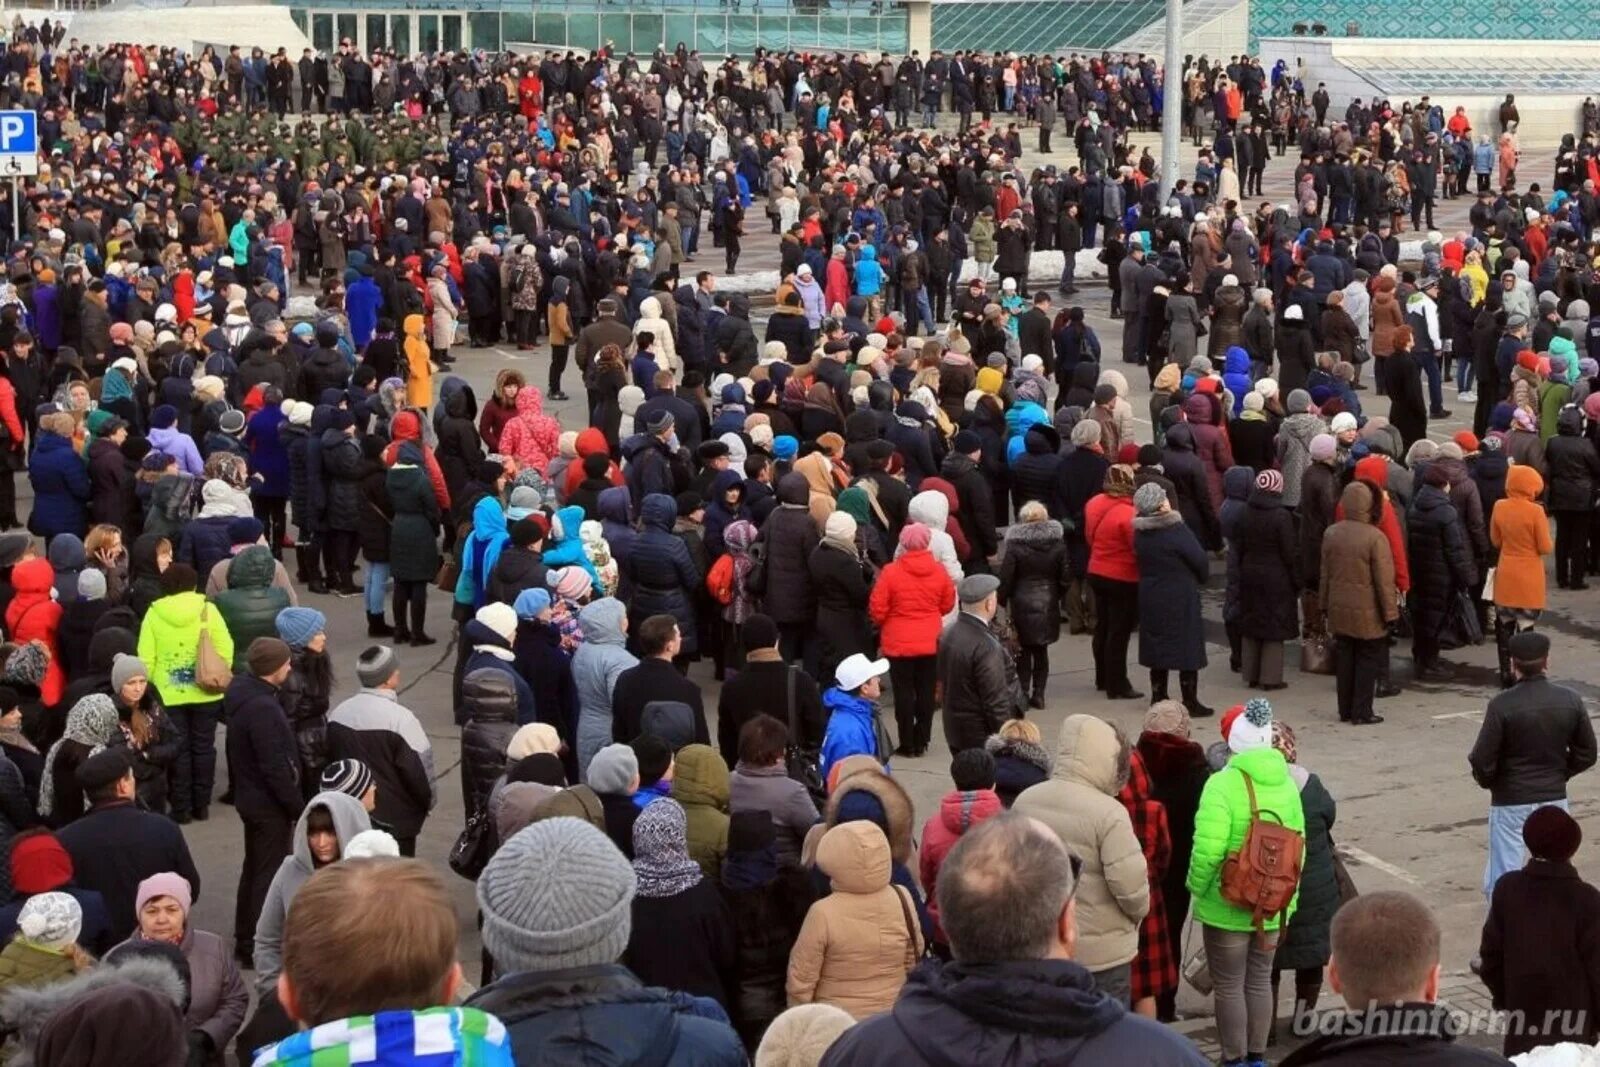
[211,672]
[800,760]
[470,854]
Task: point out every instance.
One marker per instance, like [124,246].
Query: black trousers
[526,320]
[266,841]
[1357,664]
[558,363]
[342,548]
[412,595]
[1033,667]
[8,500]
[1572,546]
[913,678]
[1116,615]
[194,771]
[273,511]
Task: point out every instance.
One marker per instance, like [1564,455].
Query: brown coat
[857,944]
[1358,590]
[1386,317]
[1521,531]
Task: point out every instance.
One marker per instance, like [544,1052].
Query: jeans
[194,769]
[913,678]
[924,310]
[377,580]
[1357,664]
[1069,265]
[1506,850]
[1464,373]
[266,842]
[1429,362]
[691,238]
[1241,971]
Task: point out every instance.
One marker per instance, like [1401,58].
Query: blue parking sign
[19,132]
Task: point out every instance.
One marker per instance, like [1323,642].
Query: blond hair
[340,954]
[1021,730]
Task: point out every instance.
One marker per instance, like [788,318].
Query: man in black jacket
[762,688]
[1006,905]
[263,767]
[1385,964]
[961,469]
[1534,738]
[1033,332]
[972,668]
[654,680]
[115,846]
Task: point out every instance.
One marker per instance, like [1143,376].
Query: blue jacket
[1236,376]
[269,455]
[61,487]
[567,550]
[869,275]
[851,731]
[361,303]
[478,637]
[603,1014]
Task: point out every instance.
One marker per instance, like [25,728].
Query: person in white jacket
[650,320]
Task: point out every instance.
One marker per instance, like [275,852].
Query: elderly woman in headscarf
[1304,946]
[683,934]
[1176,764]
[92,723]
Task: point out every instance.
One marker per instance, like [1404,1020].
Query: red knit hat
[38,863]
[1466,440]
[1228,717]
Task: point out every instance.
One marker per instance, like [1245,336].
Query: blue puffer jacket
[1236,376]
[603,1014]
[269,456]
[61,488]
[661,574]
[566,550]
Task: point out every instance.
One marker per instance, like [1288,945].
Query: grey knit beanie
[558,894]
[613,768]
[1148,498]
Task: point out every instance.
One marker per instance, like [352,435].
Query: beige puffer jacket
[857,944]
[1080,804]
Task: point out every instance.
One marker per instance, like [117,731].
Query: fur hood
[26,1011]
[1034,532]
[896,806]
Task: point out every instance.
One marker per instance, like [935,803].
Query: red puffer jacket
[909,602]
[958,812]
[1108,526]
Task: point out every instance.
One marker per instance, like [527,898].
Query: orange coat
[1521,531]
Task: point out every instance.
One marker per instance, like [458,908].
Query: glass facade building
[1486,20]
[738,26]
[1053,25]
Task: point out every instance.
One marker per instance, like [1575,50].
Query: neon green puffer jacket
[169,640]
[1220,826]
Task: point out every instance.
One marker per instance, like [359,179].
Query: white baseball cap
[857,670]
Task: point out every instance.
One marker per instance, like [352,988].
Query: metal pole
[1172,99]
[16,211]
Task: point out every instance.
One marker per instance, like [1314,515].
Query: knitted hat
[1552,834]
[1148,498]
[571,582]
[51,920]
[348,776]
[802,1035]
[164,417]
[245,530]
[1269,481]
[914,537]
[1299,401]
[165,884]
[531,603]
[1324,446]
[39,863]
[1254,402]
[28,663]
[371,843]
[1253,729]
[1466,440]
[840,527]
[266,655]
[376,665]
[91,584]
[613,769]
[297,626]
[558,894]
[532,739]
[125,668]
[499,617]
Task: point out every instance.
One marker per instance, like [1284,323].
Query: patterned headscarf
[92,722]
[661,851]
[738,537]
[1283,740]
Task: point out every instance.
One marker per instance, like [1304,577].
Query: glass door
[427,33]
[451,37]
[400,34]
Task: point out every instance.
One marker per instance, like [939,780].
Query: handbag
[1460,627]
[449,574]
[211,672]
[1359,352]
[470,854]
[755,579]
[1196,968]
[1316,654]
[798,760]
[1341,876]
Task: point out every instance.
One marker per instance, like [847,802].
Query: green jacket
[251,603]
[23,963]
[700,784]
[169,640]
[1220,825]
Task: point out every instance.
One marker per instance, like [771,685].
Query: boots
[419,639]
[1189,686]
[1158,685]
[377,627]
[1502,648]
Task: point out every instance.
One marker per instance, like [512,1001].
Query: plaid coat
[1155,968]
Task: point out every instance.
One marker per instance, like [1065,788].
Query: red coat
[909,602]
[836,284]
[1155,968]
[34,615]
[591,440]
[1376,469]
[958,813]
[1108,527]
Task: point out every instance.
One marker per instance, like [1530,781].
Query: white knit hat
[1253,729]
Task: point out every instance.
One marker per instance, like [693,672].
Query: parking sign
[19,144]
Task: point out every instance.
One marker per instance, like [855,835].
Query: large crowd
[231,325]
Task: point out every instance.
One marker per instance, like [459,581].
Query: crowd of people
[921,473]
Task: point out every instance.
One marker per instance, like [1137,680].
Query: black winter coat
[1033,578]
[1306,942]
[685,942]
[1319,500]
[1571,464]
[489,705]
[342,469]
[1254,443]
[661,572]
[1035,473]
[1172,570]
[788,538]
[1188,476]
[1535,737]
[1297,356]
[377,514]
[1541,949]
[1408,406]
[977,503]
[1409,1035]
[205,543]
[1441,563]
[767,917]
[325,369]
[112,483]
[1083,475]
[795,333]
[460,450]
[305,697]
[842,587]
[762,688]
[1265,555]
[263,764]
[294,439]
[978,695]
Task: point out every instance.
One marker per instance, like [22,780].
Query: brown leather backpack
[1264,874]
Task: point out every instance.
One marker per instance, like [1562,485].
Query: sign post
[19,157]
